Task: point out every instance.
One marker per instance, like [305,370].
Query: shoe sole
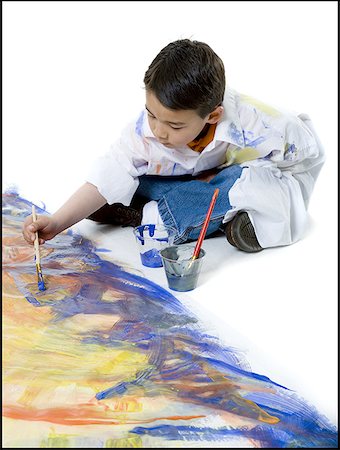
[242,234]
[228,234]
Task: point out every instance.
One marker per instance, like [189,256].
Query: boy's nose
[160,133]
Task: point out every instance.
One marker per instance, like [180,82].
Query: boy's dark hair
[187,75]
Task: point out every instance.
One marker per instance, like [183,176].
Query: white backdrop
[73,77]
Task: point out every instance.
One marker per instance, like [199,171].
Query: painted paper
[107,359]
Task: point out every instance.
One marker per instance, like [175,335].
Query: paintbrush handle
[205,225]
[36,240]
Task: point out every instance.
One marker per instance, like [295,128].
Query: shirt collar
[146,127]
[229,128]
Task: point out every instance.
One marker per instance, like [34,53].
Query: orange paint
[79,416]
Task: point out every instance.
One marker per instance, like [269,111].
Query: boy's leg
[183,202]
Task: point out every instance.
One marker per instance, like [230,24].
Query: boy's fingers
[35,226]
[31,238]
[31,229]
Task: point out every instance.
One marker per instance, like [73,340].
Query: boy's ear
[215,115]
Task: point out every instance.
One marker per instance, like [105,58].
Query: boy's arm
[80,205]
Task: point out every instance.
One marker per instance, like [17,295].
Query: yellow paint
[250,407]
[122,359]
[127,405]
[267,109]
[81,323]
[42,357]
[55,440]
[240,155]
[111,296]
[129,442]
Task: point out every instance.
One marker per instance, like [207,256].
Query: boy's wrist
[59,223]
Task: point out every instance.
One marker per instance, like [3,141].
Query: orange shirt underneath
[199,144]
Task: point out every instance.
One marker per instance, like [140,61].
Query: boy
[191,138]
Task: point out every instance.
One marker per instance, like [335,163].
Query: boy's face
[176,128]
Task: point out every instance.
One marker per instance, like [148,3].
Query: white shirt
[282,154]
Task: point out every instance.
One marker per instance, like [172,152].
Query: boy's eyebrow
[172,123]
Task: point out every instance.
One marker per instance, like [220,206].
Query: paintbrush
[41,284]
[204,228]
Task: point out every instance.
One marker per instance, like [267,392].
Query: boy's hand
[45,225]
[81,204]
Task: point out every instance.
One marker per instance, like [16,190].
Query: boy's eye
[174,128]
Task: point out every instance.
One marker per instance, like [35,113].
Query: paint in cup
[150,240]
[181,271]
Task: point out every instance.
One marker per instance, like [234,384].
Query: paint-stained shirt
[250,132]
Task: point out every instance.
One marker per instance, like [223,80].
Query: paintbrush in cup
[204,228]
[41,284]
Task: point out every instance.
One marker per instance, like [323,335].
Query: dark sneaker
[241,234]
[119,214]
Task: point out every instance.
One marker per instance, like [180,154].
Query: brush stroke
[106,358]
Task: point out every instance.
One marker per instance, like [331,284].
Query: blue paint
[190,433]
[32,300]
[41,286]
[146,235]
[244,138]
[139,124]
[151,258]
[236,135]
[249,140]
[219,364]
[120,389]
[291,152]
[268,437]
[150,228]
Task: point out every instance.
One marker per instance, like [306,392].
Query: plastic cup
[150,240]
[181,271]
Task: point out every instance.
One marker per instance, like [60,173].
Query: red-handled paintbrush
[205,226]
